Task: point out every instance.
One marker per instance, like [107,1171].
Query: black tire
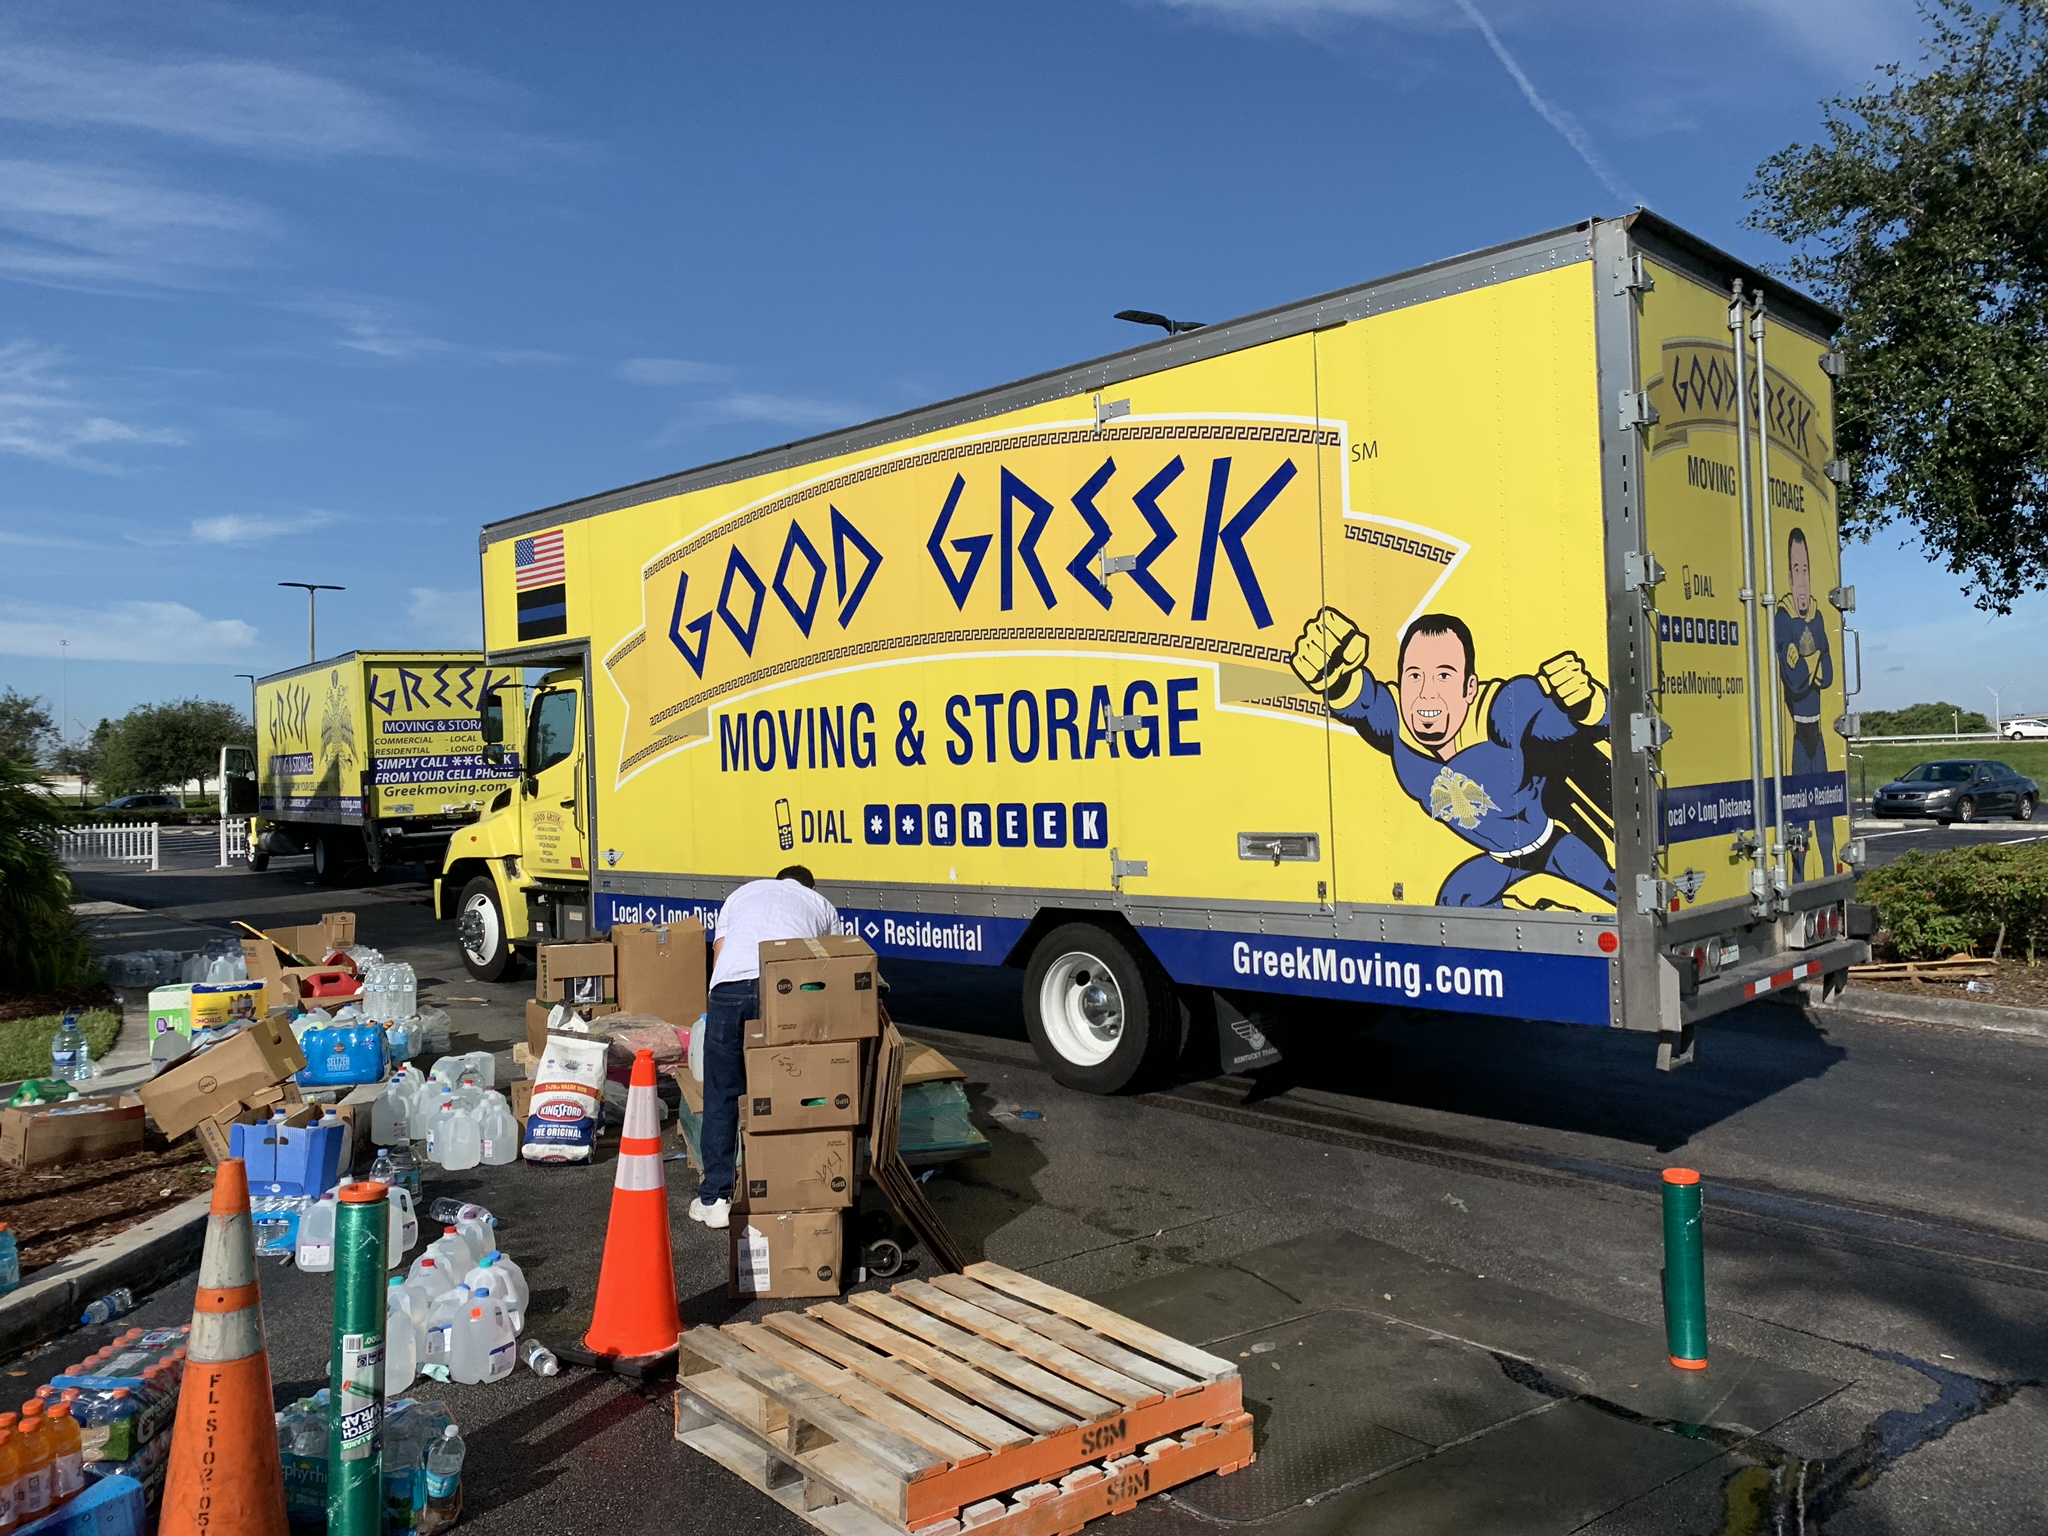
[1966,810]
[329,866]
[259,861]
[2024,811]
[478,918]
[883,1258]
[1126,1037]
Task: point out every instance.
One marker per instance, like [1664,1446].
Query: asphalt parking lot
[1875,1225]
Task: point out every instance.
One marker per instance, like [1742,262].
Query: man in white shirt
[759,912]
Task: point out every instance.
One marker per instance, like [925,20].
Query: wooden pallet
[983,1400]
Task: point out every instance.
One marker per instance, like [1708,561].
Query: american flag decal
[539,579]
[538,561]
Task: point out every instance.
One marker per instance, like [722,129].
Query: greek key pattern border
[1190,431]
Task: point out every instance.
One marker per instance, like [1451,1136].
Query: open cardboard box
[74,1131]
[240,1070]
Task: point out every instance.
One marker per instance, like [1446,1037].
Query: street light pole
[1997,711]
[312,589]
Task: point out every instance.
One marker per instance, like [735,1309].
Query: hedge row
[1961,899]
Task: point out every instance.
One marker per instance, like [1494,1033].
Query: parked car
[2026,730]
[1959,789]
[145,803]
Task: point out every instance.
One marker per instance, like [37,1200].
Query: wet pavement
[1446,1233]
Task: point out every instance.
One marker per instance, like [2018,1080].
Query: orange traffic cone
[224,1470]
[635,1325]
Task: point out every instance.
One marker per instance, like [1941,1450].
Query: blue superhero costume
[1805,667]
[1504,790]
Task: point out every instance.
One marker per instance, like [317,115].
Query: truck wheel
[329,868]
[259,861]
[480,931]
[1102,1018]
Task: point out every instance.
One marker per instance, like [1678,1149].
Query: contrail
[1566,125]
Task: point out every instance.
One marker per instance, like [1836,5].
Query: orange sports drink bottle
[67,1453]
[32,1490]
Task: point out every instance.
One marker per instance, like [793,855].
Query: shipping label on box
[575,973]
[661,970]
[803,1087]
[790,1253]
[797,1170]
[78,1131]
[816,989]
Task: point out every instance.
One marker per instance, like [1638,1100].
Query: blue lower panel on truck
[1566,989]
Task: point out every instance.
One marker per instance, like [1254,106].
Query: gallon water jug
[489,1280]
[405,1225]
[390,1115]
[316,1236]
[484,1344]
[463,1142]
[427,1281]
[441,1319]
[401,1342]
[486,1066]
[521,1294]
[500,1132]
[451,1250]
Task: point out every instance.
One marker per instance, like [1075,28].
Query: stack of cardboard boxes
[809,1069]
[650,970]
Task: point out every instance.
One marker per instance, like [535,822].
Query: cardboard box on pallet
[787,1253]
[803,1087]
[796,1171]
[661,970]
[815,990]
[577,973]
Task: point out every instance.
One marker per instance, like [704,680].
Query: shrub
[1935,904]
[42,948]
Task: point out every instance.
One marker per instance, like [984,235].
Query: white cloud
[235,528]
[42,417]
[242,104]
[447,617]
[75,224]
[1297,13]
[376,331]
[784,410]
[1852,37]
[669,370]
[130,631]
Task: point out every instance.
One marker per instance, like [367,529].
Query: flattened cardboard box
[802,1087]
[77,1131]
[262,1056]
[797,1171]
[315,941]
[788,1253]
[576,973]
[661,969]
[815,990]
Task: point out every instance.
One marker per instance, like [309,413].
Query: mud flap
[1242,1044]
[1675,1043]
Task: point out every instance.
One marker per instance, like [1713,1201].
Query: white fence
[121,844]
[234,839]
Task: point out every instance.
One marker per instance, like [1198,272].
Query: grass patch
[25,1043]
[1875,765]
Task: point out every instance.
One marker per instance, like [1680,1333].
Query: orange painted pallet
[981,1399]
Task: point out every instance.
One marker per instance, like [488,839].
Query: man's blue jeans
[725,1079]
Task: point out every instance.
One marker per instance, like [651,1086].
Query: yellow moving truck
[1431,643]
[375,757]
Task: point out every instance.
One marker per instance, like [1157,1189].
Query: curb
[1993,1018]
[144,1257]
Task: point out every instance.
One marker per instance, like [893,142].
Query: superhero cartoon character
[1503,764]
[1806,665]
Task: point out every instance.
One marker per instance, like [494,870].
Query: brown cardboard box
[537,1021]
[661,969]
[788,1253]
[72,1132]
[692,1090]
[816,989]
[797,1171]
[200,1087]
[803,1087]
[283,984]
[576,973]
[923,1064]
[522,1102]
[314,941]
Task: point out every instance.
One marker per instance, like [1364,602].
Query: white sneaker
[717,1215]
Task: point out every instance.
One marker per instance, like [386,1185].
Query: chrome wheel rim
[1082,1009]
[477,929]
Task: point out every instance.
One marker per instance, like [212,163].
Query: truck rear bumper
[1774,973]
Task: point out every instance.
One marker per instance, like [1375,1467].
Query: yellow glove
[1330,658]
[1791,655]
[1565,679]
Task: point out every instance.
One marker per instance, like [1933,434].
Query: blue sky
[313,293]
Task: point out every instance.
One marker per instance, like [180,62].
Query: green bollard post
[355,1414]
[1685,1271]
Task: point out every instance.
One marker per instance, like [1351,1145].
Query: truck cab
[520,876]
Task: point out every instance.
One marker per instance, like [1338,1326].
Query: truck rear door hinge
[1647,732]
[1652,894]
[1107,411]
[1640,569]
[1834,363]
[1636,410]
[1631,276]
[1121,869]
[1115,565]
[1124,722]
[1838,470]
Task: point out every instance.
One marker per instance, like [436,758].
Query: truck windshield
[554,731]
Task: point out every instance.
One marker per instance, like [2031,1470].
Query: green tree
[1922,215]
[1923,720]
[162,746]
[42,948]
[26,730]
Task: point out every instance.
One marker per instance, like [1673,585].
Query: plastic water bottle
[108,1307]
[407,1001]
[407,1168]
[539,1358]
[486,1067]
[390,1114]
[382,1169]
[444,1483]
[316,1236]
[445,1211]
[70,1061]
[10,1260]
[401,1341]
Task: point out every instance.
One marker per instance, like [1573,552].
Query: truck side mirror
[492,724]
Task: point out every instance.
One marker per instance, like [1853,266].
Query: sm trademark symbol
[1360,452]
